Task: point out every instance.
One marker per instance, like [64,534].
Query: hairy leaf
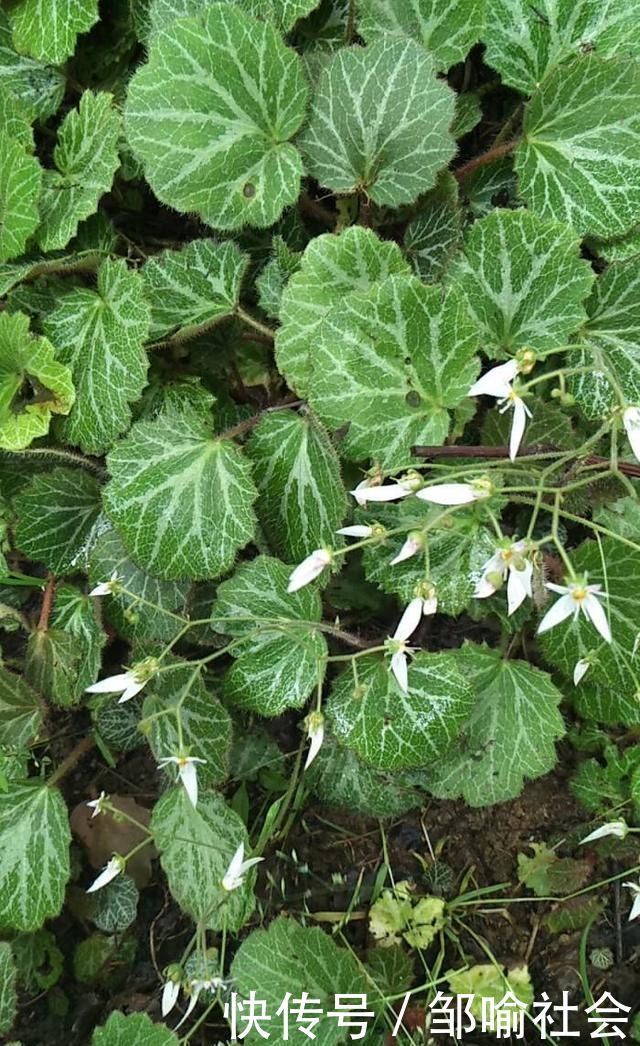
[39,87]
[47,29]
[20,182]
[380,123]
[20,712]
[134,1029]
[8,994]
[211,116]
[448,29]
[56,513]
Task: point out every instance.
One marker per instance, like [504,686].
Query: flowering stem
[495,153]
[251,321]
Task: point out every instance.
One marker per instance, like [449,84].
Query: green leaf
[99,335]
[116,905]
[20,712]
[135,1029]
[33,385]
[86,159]
[338,777]
[612,665]
[510,735]
[180,498]
[292,958]
[609,341]
[389,363]
[525,41]
[434,235]
[34,854]
[578,161]
[39,961]
[8,995]
[77,615]
[47,29]
[605,704]
[283,13]
[282,656]
[192,289]
[389,729]
[20,182]
[523,280]
[39,87]
[14,119]
[380,123]
[206,726]
[56,512]
[302,500]
[52,666]
[458,548]
[214,135]
[273,279]
[331,268]
[196,846]
[448,29]
[93,957]
[146,610]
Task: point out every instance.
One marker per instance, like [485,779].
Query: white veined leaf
[191,289]
[15,122]
[391,730]
[610,341]
[523,280]
[432,238]
[116,906]
[282,658]
[77,615]
[292,958]
[20,183]
[8,994]
[20,712]
[579,158]
[283,13]
[448,29]
[331,267]
[338,777]
[390,364]
[614,666]
[134,1029]
[146,610]
[99,334]
[301,499]
[525,41]
[47,29]
[275,275]
[211,116]
[55,517]
[86,159]
[180,498]
[468,114]
[510,735]
[196,846]
[39,87]
[379,123]
[206,725]
[34,854]
[605,704]
[52,666]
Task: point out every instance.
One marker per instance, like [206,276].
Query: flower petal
[496,382]
[131,691]
[631,420]
[518,424]
[449,494]
[594,611]
[483,589]
[560,611]
[580,669]
[409,549]
[399,669]
[387,492]
[309,569]
[109,872]
[358,530]
[519,586]
[189,777]
[112,685]
[170,994]
[410,619]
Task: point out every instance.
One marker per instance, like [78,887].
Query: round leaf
[448,29]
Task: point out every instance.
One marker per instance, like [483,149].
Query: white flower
[577,596]
[631,421]
[170,993]
[397,644]
[107,588]
[618,828]
[413,545]
[580,668]
[360,491]
[309,569]
[127,683]
[187,772]
[358,530]
[507,560]
[635,907]
[195,987]
[97,805]
[496,382]
[405,486]
[314,724]
[113,868]
[238,868]
[455,493]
